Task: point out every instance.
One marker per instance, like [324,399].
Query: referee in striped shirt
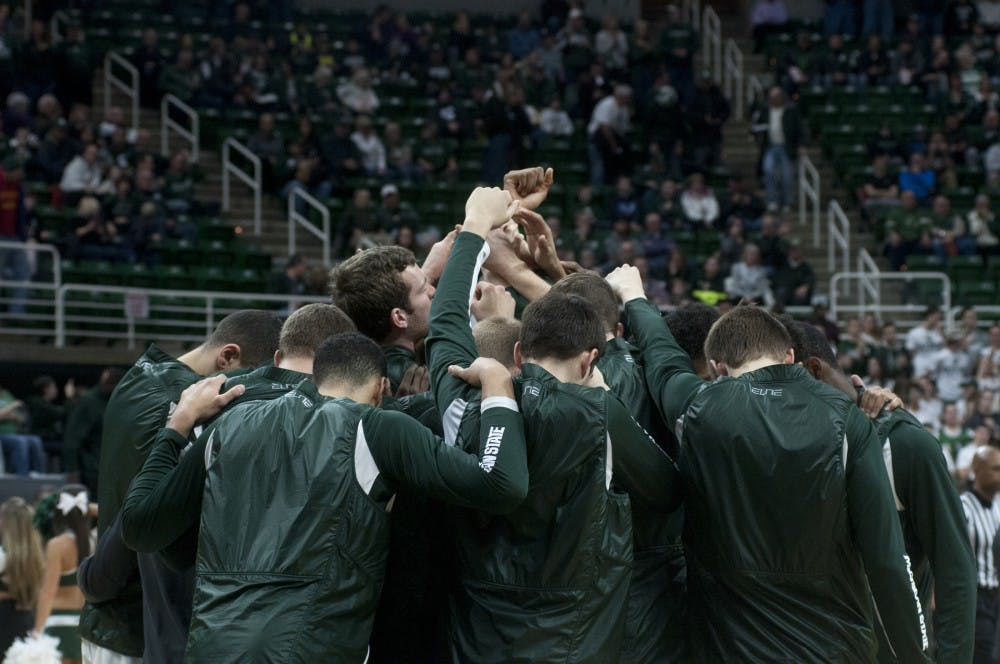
[983,515]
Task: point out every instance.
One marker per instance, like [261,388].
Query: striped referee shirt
[983,520]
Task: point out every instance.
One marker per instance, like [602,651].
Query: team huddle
[495,457]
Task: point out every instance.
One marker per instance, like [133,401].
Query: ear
[814,367]
[719,368]
[380,386]
[789,356]
[398,318]
[518,358]
[587,361]
[277,357]
[619,330]
[228,358]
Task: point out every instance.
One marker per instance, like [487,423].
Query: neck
[983,493]
[199,360]
[303,365]
[398,339]
[753,365]
[565,372]
[356,393]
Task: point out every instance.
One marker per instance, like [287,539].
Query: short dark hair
[369,285]
[690,325]
[594,289]
[495,338]
[350,358]
[744,334]
[40,384]
[560,326]
[309,326]
[255,331]
[809,341]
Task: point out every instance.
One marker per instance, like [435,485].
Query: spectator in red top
[13,260]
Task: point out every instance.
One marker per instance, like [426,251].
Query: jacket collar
[777,373]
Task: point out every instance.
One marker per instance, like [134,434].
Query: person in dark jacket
[706,115]
[332,462]
[565,552]
[136,410]
[769,577]
[780,129]
[81,449]
[930,511]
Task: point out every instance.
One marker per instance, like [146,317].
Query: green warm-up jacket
[547,582]
[789,515]
[295,525]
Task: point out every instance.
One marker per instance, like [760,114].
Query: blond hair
[23,548]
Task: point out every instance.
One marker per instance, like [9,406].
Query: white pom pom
[34,649]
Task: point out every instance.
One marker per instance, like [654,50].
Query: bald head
[986,471]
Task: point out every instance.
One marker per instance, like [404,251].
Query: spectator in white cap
[393,212]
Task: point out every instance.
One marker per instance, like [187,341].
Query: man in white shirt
[949,367]
[82,175]
[606,148]
[924,340]
[370,146]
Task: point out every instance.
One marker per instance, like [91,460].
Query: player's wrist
[181,421]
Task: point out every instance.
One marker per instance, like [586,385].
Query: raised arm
[495,480]
[877,534]
[638,464]
[671,379]
[928,494]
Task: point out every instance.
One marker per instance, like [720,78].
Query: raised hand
[201,401]
[541,243]
[488,208]
[626,282]
[438,255]
[416,379]
[491,301]
[529,185]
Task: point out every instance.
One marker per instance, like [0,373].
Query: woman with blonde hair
[60,599]
[20,570]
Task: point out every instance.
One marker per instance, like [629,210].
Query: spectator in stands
[677,45]
[398,154]
[944,226]
[748,278]
[576,45]
[624,203]
[13,228]
[710,283]
[370,146]
[924,341]
[654,243]
[974,338]
[611,46]
[782,134]
[38,62]
[178,184]
[523,38]
[797,64]
[698,202]
[908,231]
[435,156]
[217,69]
[768,17]
[290,281]
[83,175]
[988,367]
[357,94]
[960,17]
[268,144]
[886,143]
[918,179]
[840,18]
[181,79]
[906,63]
[880,191]
[394,212]
[54,153]
[875,374]
[873,65]
[554,121]
[358,219]
[149,61]
[507,128]
[48,418]
[879,19]
[706,114]
[983,225]
[96,238]
[836,66]
[773,247]
[951,433]
[340,156]
[950,366]
[23,453]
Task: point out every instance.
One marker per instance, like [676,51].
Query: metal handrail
[691,11]
[755,91]
[254,181]
[34,247]
[296,218]
[711,38]
[130,89]
[57,17]
[809,188]
[167,123]
[837,308]
[732,76]
[214,308]
[838,229]
[867,286]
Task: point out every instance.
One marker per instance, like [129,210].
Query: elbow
[510,498]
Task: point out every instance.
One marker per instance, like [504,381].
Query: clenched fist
[488,208]
[529,185]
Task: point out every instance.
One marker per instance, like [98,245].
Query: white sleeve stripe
[452,420]
[484,253]
[499,402]
[365,468]
[608,465]
[887,458]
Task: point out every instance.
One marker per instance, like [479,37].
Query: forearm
[524,280]
[157,508]
[103,575]
[639,465]
[47,594]
[669,373]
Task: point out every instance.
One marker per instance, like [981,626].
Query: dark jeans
[986,627]
[23,453]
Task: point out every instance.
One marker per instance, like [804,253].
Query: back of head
[349,359]
[809,341]
[309,326]
[746,334]
[496,337]
[255,331]
[559,326]
[369,285]
[22,547]
[594,289]
[72,513]
[690,325]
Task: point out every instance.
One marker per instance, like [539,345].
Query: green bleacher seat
[916,263]
[976,292]
[966,268]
